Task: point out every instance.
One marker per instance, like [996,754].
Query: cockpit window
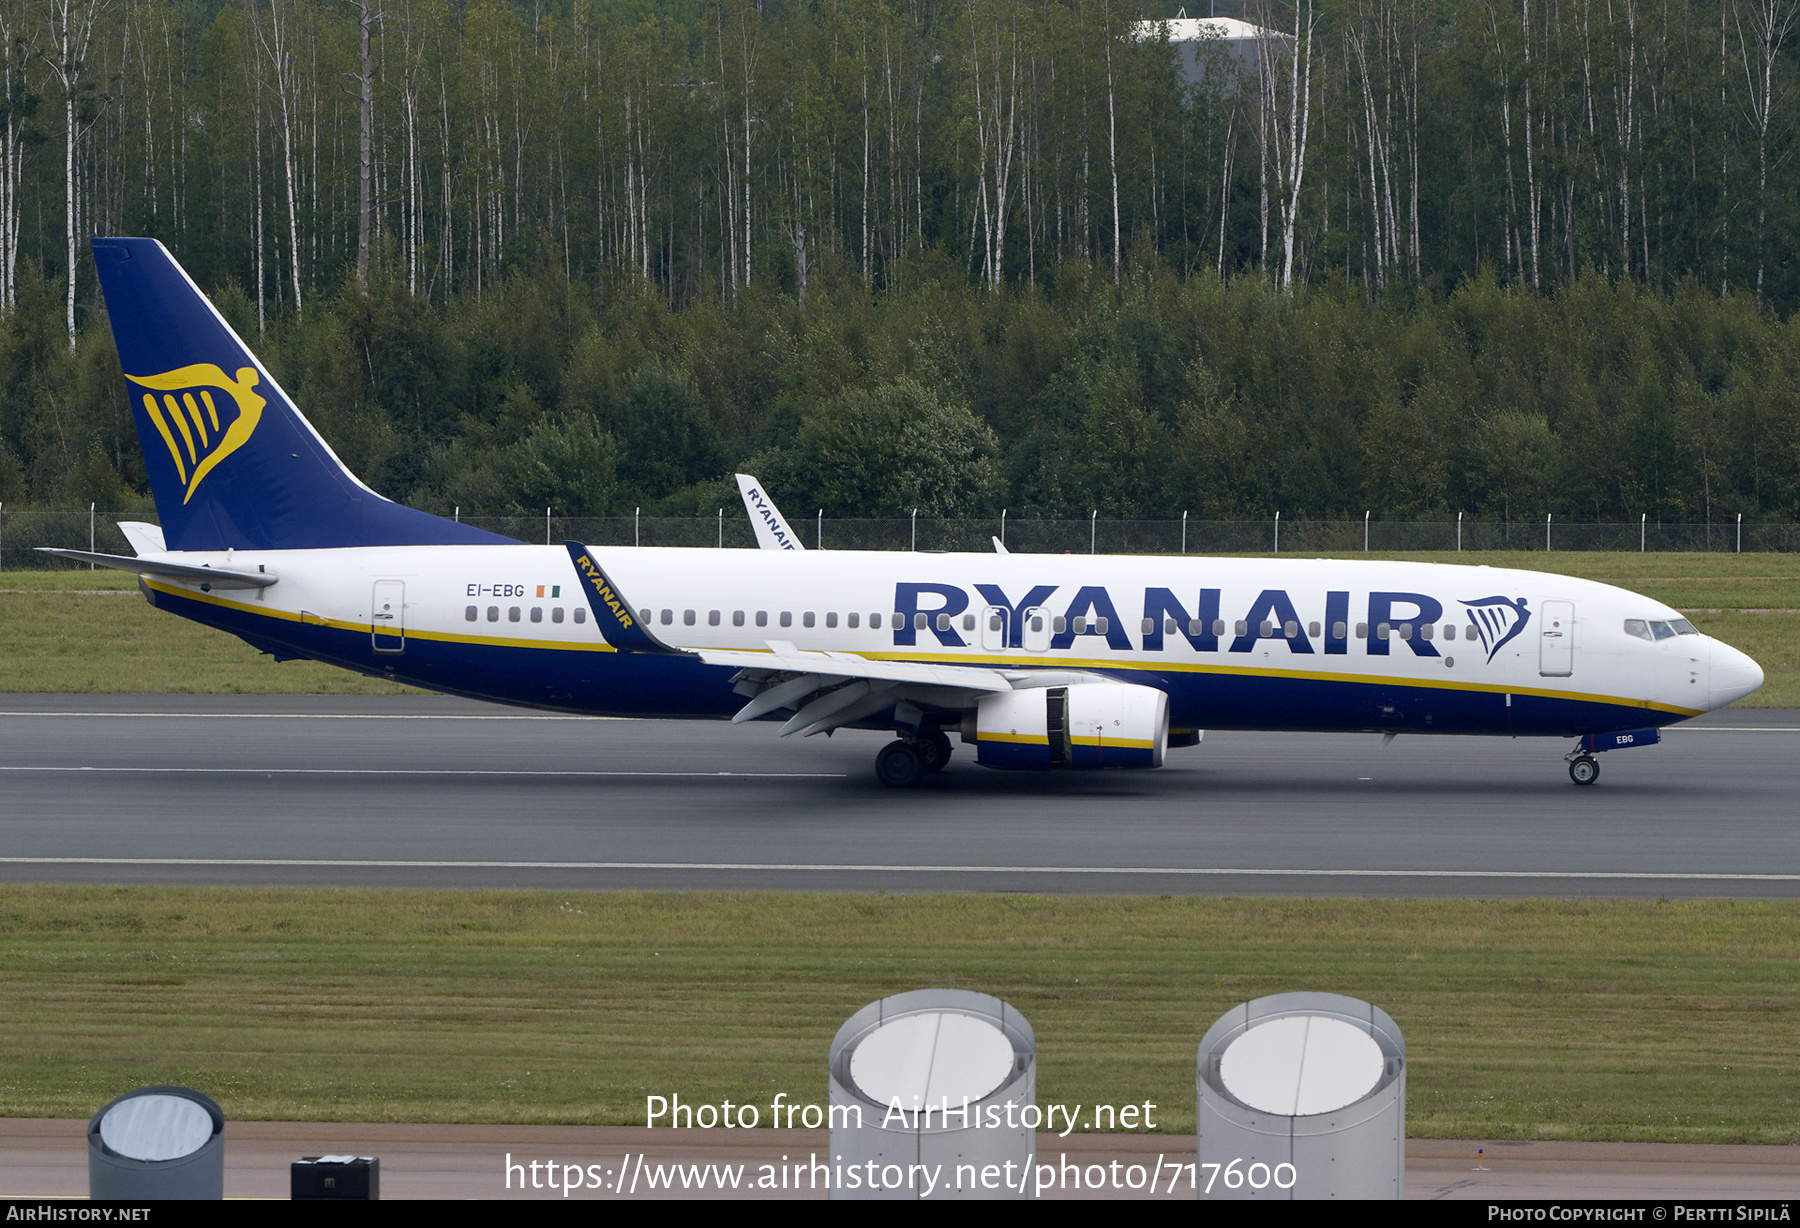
[1684,627]
[1662,631]
[1639,628]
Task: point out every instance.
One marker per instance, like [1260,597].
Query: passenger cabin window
[1219,627]
[1242,628]
[471,614]
[1449,631]
[1059,624]
[556,615]
[512,614]
[737,618]
[493,613]
[831,618]
[787,618]
[537,613]
[943,622]
[712,618]
[1339,631]
[874,622]
[968,622]
[806,619]
[1362,631]
[1312,629]
[580,614]
[687,618]
[1290,628]
[851,619]
[1081,624]
[668,617]
[762,618]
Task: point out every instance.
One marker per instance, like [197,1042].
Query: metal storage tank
[936,1047]
[157,1142]
[1197,39]
[1302,1095]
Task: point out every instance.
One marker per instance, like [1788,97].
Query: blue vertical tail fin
[232,463]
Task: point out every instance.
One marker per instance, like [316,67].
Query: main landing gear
[901,764]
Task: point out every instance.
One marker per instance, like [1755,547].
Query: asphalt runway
[421,791]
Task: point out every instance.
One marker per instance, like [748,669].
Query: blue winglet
[618,624]
[231,461]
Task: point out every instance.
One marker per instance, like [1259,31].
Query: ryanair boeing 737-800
[1039,661]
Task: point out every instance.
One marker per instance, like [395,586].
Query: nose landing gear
[1584,769]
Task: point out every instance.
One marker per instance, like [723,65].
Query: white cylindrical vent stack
[1302,1095]
[929,1097]
[157,1142]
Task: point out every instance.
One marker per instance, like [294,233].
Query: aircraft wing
[849,665]
[772,529]
[827,690]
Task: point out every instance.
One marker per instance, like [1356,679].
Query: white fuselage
[1236,642]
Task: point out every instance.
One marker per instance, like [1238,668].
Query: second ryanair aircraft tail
[232,463]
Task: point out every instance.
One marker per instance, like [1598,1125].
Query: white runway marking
[243,771]
[1217,872]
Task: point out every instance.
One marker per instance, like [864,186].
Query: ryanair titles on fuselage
[1492,620]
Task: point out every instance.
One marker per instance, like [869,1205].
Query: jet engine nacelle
[1082,725]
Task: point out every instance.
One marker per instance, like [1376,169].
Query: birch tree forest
[1501,256]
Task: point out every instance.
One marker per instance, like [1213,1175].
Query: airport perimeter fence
[21,531]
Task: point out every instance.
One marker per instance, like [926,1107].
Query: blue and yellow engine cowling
[1082,725]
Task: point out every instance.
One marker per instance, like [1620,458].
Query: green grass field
[58,634]
[1538,1019]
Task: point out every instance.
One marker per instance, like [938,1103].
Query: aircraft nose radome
[1734,675]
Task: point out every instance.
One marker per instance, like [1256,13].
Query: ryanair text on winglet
[604,591]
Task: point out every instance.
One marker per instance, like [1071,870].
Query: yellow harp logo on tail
[188,416]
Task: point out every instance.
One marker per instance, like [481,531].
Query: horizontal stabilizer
[143,537]
[217,577]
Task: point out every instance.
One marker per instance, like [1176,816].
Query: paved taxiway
[441,792]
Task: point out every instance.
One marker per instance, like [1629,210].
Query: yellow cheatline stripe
[1027,739]
[308,618]
[1245,671]
[1101,743]
[180,425]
